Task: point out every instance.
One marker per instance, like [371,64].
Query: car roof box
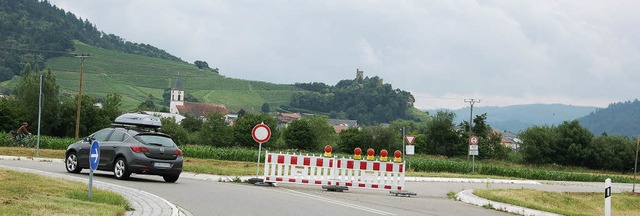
[137,119]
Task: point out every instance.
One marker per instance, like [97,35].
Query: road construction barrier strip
[316,170]
[297,169]
[369,174]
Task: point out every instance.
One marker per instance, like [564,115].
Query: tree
[379,138]
[191,123]
[215,131]
[572,147]
[27,95]
[147,105]
[241,112]
[299,135]
[244,125]
[491,147]
[612,153]
[441,137]
[538,145]
[173,129]
[350,139]
[111,107]
[266,108]
[201,64]
[9,119]
[321,130]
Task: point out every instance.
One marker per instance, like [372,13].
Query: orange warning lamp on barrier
[383,155]
[370,154]
[397,156]
[357,154]
[327,151]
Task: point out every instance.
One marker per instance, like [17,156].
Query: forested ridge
[367,100]
[33,31]
[619,118]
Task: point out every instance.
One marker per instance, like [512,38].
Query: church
[178,105]
[179,108]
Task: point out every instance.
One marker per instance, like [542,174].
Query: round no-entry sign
[473,140]
[261,133]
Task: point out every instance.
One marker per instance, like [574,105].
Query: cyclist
[22,132]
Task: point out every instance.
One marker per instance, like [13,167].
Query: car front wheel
[120,169]
[72,163]
[171,178]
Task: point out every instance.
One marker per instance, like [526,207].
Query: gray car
[127,148]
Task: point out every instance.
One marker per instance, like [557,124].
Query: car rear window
[155,140]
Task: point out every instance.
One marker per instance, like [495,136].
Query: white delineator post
[607,197]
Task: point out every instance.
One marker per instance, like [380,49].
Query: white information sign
[473,150]
[410,149]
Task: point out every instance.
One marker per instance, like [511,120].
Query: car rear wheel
[171,178]
[120,169]
[72,163]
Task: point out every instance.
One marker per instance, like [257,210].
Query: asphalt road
[206,197]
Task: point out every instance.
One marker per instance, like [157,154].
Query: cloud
[503,52]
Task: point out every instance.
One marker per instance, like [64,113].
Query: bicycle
[26,139]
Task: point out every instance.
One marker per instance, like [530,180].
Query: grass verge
[31,194]
[565,203]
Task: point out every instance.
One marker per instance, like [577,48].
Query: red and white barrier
[297,169]
[315,170]
[369,174]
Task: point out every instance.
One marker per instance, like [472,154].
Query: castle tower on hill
[359,76]
[177,97]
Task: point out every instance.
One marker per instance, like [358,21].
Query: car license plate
[162,165]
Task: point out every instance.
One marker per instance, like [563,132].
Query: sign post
[94,158]
[410,147]
[607,197]
[261,134]
[473,151]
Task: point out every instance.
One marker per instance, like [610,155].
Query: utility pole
[635,167]
[82,57]
[471,101]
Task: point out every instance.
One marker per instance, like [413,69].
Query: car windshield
[156,140]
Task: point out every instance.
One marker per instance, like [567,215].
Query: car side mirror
[87,139]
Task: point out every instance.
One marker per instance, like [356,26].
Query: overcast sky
[580,52]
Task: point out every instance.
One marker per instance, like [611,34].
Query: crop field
[136,77]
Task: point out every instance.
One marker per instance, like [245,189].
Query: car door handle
[114,146]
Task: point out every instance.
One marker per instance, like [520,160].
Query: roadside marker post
[261,134]
[607,197]
[94,158]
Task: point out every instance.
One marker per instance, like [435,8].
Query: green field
[136,77]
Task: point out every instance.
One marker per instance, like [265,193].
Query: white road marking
[375,211]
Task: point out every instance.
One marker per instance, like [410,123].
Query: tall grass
[421,164]
[46,142]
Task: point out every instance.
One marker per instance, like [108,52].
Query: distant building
[231,118]
[510,139]
[350,123]
[287,118]
[340,125]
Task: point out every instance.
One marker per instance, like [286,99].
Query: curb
[467,196]
[470,180]
[221,178]
[143,203]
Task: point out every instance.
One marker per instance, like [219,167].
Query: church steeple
[177,97]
